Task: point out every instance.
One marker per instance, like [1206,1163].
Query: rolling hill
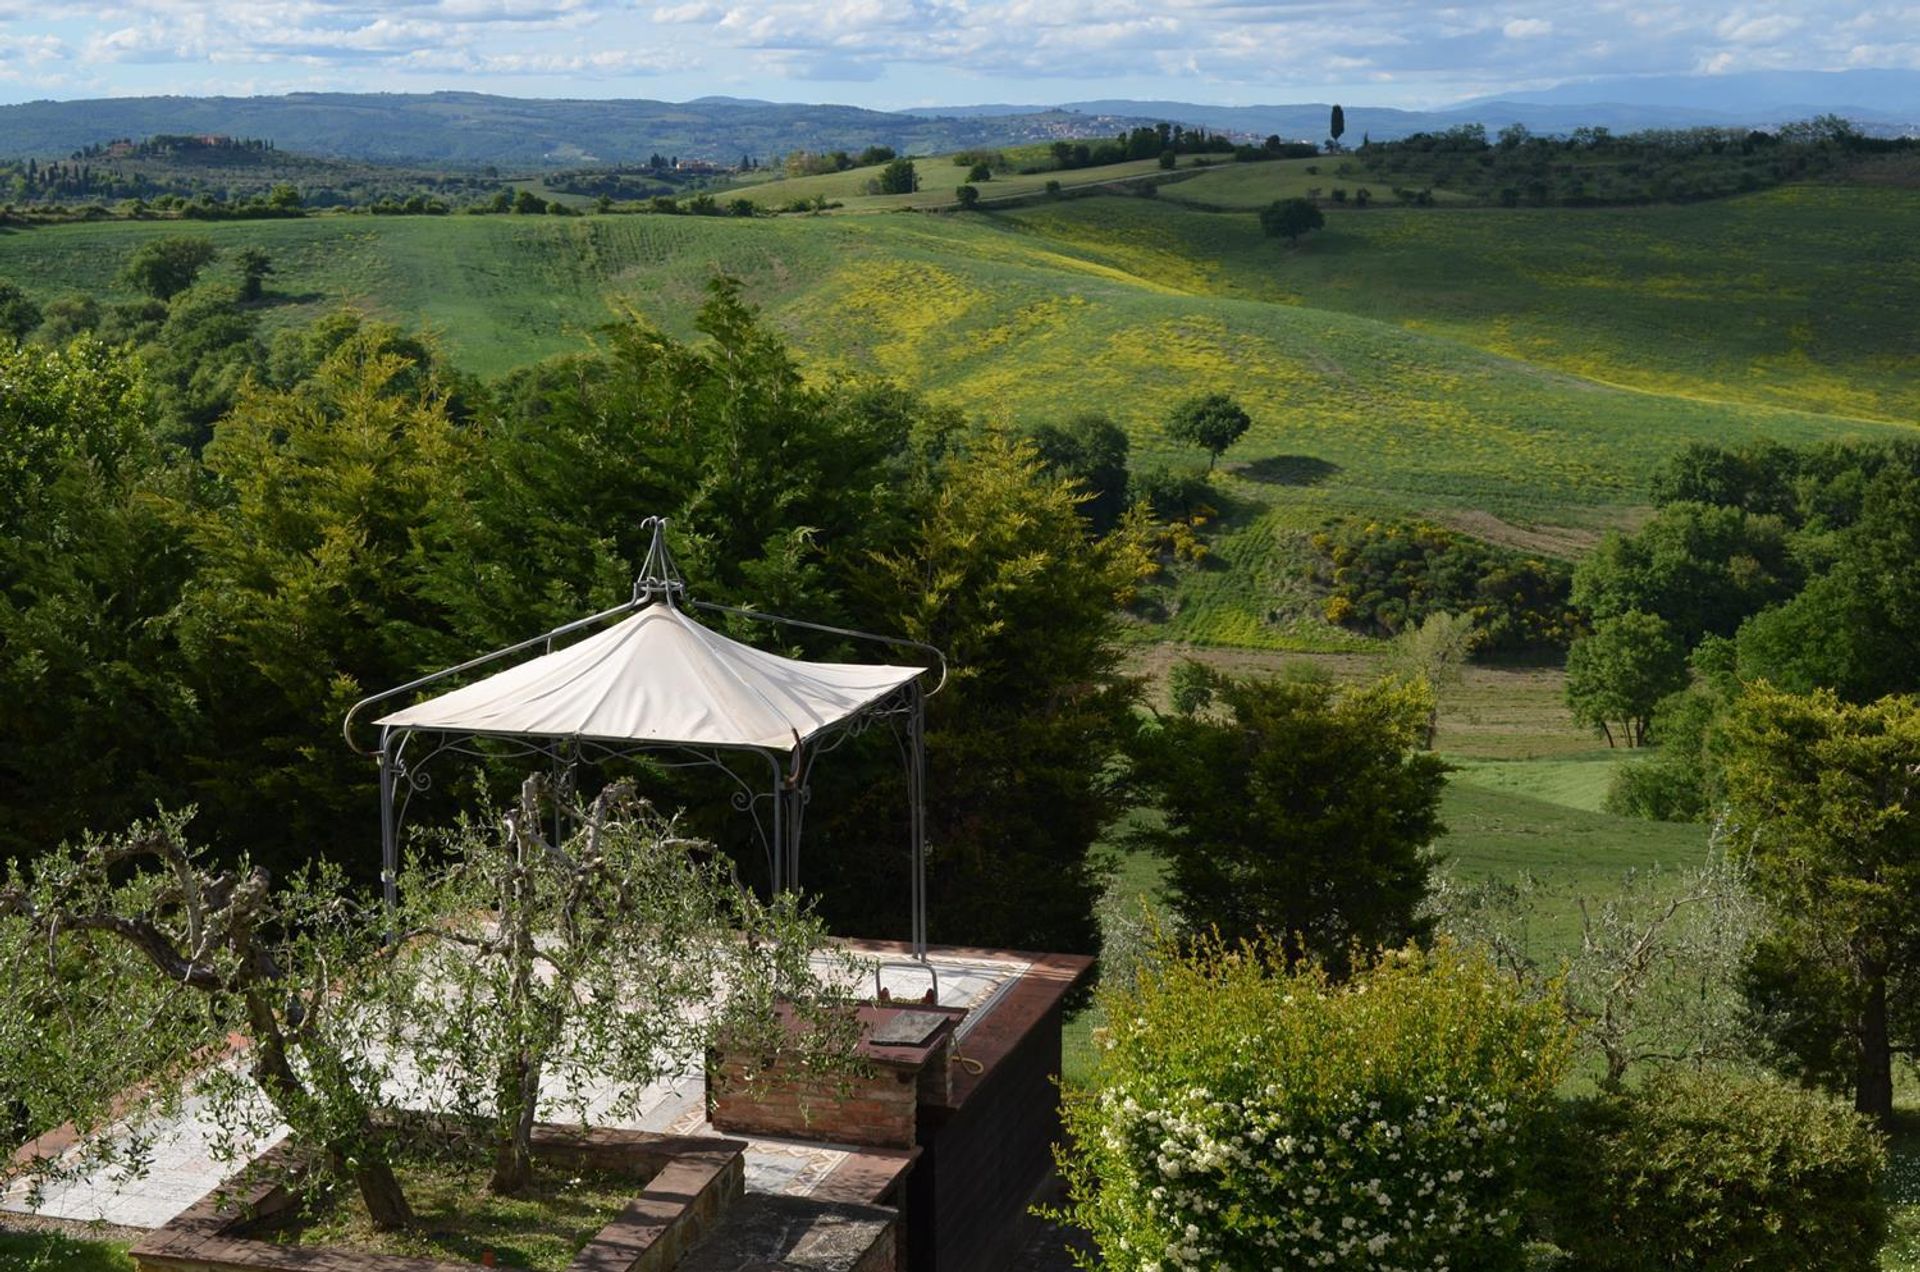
[473,129]
[1497,369]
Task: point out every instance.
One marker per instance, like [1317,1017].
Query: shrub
[1714,1170]
[1247,1116]
[1171,492]
[1385,577]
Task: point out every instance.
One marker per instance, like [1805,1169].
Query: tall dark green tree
[1091,449]
[1827,792]
[311,591]
[1336,123]
[777,490]
[1297,810]
[1000,573]
[95,713]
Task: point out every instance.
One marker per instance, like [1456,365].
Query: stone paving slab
[792,1234]
[182,1167]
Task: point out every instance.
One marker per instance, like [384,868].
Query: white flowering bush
[1244,1115]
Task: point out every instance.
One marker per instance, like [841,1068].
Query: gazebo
[660,684]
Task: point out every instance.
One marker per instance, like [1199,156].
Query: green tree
[1290,218]
[1619,673]
[284,197]
[1091,449]
[527,203]
[255,266]
[980,172]
[1211,421]
[520,936]
[968,197]
[94,710]
[199,357]
[310,591]
[18,314]
[1827,792]
[1168,158]
[1298,810]
[1856,627]
[1435,653]
[777,490]
[123,929]
[999,572]
[165,267]
[1336,125]
[898,177]
[1703,568]
[1682,779]
[69,316]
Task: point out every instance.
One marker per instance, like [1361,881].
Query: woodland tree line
[217,543]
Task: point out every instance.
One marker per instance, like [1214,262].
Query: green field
[1516,373]
[939,178]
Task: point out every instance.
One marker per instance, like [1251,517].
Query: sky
[905,53]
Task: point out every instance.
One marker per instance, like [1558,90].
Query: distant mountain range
[471,129]
[1884,101]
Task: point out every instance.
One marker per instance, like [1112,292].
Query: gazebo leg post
[778,866]
[917,793]
[389,831]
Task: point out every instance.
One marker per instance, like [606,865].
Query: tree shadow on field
[1287,470]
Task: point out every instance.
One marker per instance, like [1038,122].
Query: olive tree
[1655,977]
[544,973]
[133,959]
[520,973]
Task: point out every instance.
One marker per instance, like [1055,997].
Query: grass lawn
[457,1219]
[51,1252]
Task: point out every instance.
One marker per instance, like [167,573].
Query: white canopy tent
[660,683]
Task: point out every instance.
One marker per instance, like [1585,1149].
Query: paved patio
[182,1166]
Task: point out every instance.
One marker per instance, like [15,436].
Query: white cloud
[1769,28]
[31,50]
[1258,48]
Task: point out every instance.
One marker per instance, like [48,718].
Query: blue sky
[896,53]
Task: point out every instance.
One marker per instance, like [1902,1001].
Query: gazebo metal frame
[789,770]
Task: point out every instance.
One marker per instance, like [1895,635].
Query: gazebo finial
[659,577]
